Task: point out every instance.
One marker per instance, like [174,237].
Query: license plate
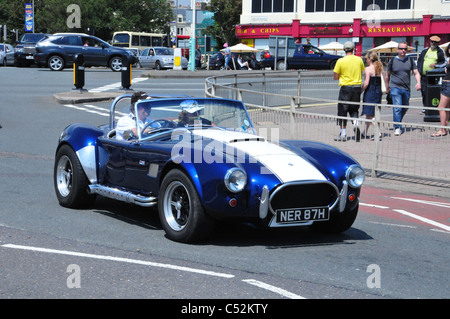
[301,215]
[29,57]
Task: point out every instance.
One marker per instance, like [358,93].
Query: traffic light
[207,43]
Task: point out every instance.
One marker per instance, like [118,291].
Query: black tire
[70,181]
[338,223]
[158,65]
[56,63]
[180,210]
[333,64]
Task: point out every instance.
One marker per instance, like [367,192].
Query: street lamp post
[191,65]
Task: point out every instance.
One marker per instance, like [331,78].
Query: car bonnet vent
[248,139]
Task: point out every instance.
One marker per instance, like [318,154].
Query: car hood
[282,162]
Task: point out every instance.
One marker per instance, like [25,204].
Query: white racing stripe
[118,259]
[285,164]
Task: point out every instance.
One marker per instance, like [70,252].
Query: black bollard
[126,72]
[78,72]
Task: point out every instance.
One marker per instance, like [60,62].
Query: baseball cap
[225,45]
[348,46]
[435,38]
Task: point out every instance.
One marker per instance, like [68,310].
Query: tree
[226,17]
[105,17]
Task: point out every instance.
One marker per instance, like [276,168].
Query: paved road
[397,248]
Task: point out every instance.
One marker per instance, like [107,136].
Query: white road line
[439,204]
[87,110]
[393,225]
[126,260]
[375,206]
[116,85]
[423,219]
[274,289]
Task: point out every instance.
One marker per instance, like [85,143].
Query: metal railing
[301,104]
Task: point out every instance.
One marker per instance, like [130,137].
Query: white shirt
[125,123]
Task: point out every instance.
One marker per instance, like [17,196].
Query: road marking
[375,206]
[87,110]
[439,204]
[126,260]
[274,289]
[394,225]
[116,85]
[423,219]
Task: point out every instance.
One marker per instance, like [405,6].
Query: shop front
[365,35]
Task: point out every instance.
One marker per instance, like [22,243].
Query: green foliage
[226,17]
[104,16]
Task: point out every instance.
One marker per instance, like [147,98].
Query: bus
[137,40]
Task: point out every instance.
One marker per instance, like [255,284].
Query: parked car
[199,161]
[6,54]
[217,61]
[302,56]
[159,58]
[26,48]
[58,51]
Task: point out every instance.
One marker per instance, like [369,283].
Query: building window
[386,4]
[329,5]
[259,6]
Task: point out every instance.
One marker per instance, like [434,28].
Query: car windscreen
[191,112]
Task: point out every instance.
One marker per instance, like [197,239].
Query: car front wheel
[70,181]
[56,63]
[180,210]
[116,64]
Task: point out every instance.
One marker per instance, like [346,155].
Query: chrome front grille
[304,194]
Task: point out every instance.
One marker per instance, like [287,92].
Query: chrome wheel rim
[176,206]
[116,64]
[55,63]
[64,176]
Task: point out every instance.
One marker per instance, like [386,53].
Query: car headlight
[235,179]
[355,175]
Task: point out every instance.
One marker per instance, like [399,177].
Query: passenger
[190,113]
[126,126]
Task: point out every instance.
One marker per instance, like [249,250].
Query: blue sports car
[199,161]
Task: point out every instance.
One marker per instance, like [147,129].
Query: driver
[126,126]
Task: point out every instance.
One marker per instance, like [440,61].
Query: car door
[312,57]
[94,52]
[112,159]
[70,46]
[9,54]
[143,58]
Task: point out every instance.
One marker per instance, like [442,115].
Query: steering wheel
[163,123]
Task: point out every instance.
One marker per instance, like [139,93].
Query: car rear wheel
[338,223]
[115,64]
[180,210]
[281,65]
[70,181]
[56,63]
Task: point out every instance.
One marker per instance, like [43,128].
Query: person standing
[444,101]
[429,59]
[198,58]
[398,83]
[227,54]
[348,71]
[371,87]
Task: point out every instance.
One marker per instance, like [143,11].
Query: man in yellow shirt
[348,71]
[429,59]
